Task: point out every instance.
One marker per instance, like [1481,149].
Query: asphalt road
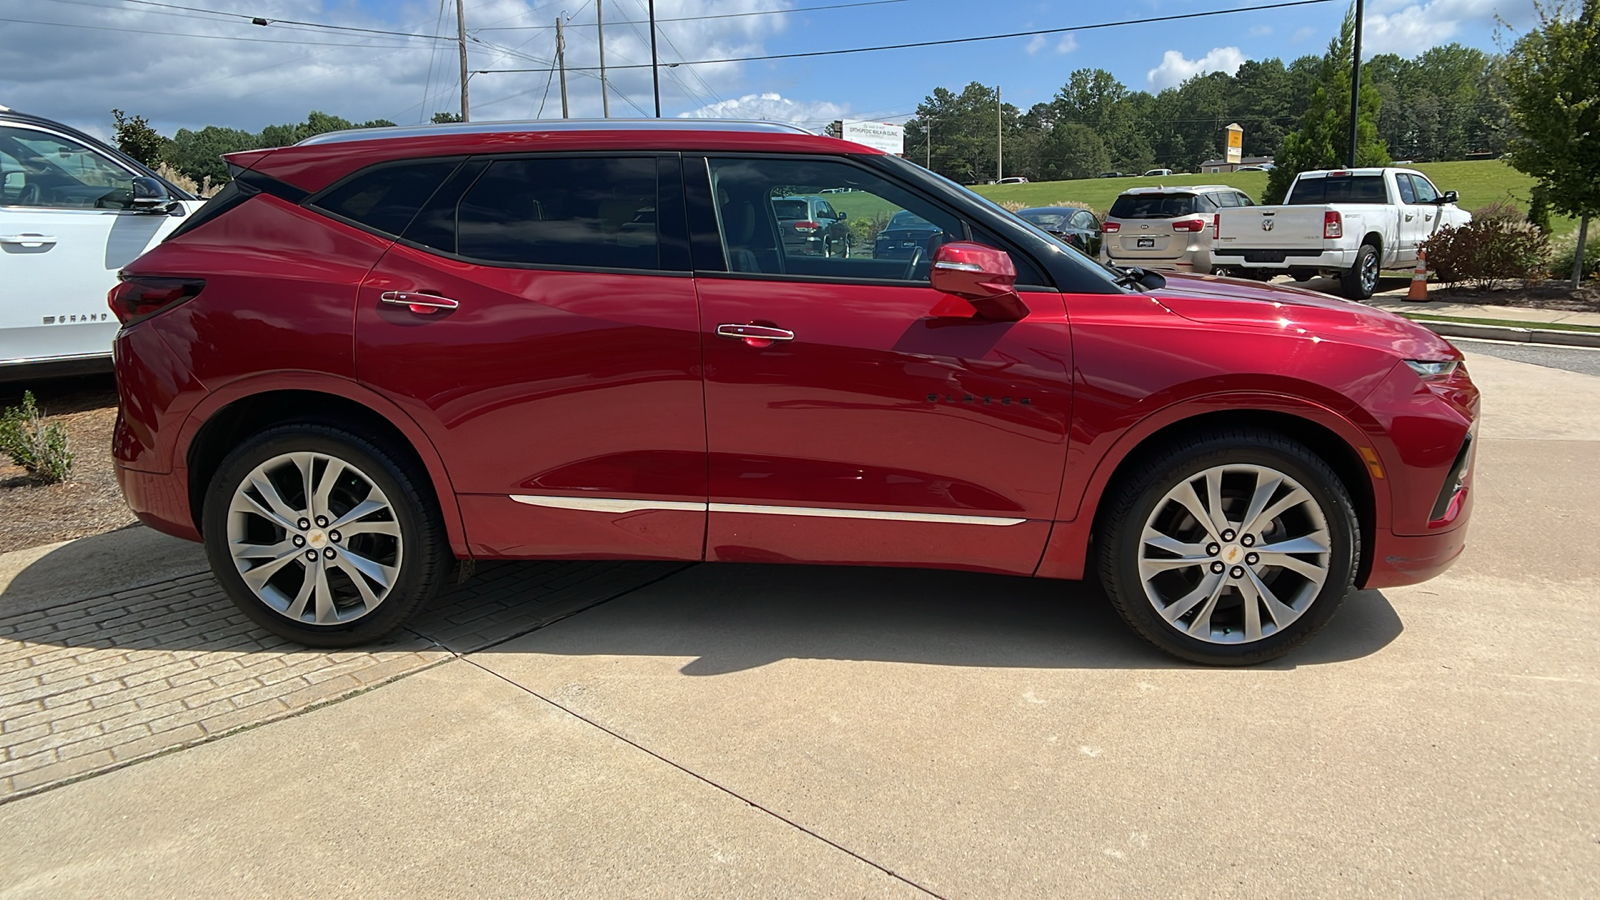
[1584,360]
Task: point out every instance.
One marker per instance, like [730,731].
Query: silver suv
[1167,228]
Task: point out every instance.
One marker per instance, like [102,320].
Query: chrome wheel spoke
[327,612]
[1184,495]
[1219,520]
[1201,626]
[1289,501]
[297,606]
[378,526]
[1316,542]
[358,578]
[382,574]
[257,576]
[1310,570]
[1206,591]
[1266,485]
[1258,594]
[325,485]
[358,512]
[242,550]
[278,511]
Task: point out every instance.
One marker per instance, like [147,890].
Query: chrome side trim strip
[598,504]
[611,505]
[823,513]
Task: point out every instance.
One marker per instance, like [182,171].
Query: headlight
[1428,368]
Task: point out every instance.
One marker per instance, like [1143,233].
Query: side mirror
[150,195]
[984,277]
[843,215]
[1450,197]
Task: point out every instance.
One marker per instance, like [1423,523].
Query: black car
[1111,175]
[905,234]
[1075,226]
[812,227]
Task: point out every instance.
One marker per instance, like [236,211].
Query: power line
[261,20]
[738,15]
[209,37]
[965,40]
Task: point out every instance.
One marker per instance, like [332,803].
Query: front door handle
[758,336]
[28,240]
[422,304]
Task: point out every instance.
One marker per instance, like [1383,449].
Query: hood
[1251,304]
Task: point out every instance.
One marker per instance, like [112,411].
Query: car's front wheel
[1232,548]
[323,536]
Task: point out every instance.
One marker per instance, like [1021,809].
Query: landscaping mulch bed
[88,502]
[1544,295]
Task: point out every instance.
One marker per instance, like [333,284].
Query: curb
[1508,333]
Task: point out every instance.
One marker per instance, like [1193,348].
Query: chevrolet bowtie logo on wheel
[1266,224]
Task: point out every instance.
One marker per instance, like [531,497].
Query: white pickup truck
[1348,223]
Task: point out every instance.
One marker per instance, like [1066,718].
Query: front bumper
[1411,559]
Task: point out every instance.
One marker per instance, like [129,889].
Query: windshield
[905,219]
[1044,219]
[789,209]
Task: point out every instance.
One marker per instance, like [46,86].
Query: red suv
[377,353]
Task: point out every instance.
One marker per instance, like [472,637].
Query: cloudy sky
[190,63]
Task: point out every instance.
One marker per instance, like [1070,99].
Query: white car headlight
[1429,368]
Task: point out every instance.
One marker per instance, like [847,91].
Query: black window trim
[665,189]
[715,238]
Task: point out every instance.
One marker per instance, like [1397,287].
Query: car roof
[1365,170]
[317,162]
[1185,188]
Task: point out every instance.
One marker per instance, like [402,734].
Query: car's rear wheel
[323,536]
[1362,279]
[1233,548]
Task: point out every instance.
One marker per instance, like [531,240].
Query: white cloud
[1409,28]
[180,81]
[1259,30]
[1175,69]
[1301,34]
[1067,44]
[812,114]
[1037,44]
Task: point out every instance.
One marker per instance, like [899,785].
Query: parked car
[1012,179]
[73,211]
[1347,223]
[378,352]
[1157,172]
[1251,169]
[906,235]
[1077,227]
[811,227]
[1111,175]
[1167,228]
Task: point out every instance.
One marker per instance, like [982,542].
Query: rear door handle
[423,304]
[758,336]
[28,240]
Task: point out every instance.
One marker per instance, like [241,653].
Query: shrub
[1487,250]
[1563,250]
[1539,210]
[1498,211]
[1012,205]
[33,444]
[865,228]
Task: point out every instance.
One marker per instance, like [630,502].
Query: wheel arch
[1329,436]
[211,432]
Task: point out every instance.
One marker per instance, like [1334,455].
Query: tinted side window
[1243,200]
[1402,183]
[53,172]
[1225,198]
[387,197]
[567,212]
[1424,189]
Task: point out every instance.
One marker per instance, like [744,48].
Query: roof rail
[535,125]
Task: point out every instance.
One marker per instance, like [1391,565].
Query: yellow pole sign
[1235,143]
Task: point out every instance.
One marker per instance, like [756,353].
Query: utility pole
[1355,87]
[999,138]
[600,23]
[461,40]
[561,62]
[655,67]
[929,166]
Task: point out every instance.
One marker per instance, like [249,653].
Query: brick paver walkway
[102,682]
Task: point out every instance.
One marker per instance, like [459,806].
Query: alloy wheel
[314,538]
[1234,554]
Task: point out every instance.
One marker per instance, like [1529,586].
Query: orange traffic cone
[1419,278]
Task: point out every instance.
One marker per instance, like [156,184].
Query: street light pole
[561,62]
[655,67]
[1355,86]
[600,24]
[461,40]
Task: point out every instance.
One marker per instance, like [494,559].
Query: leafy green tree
[1322,140]
[1552,75]
[135,137]
[963,128]
[445,118]
[198,154]
[1074,151]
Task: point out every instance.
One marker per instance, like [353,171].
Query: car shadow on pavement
[725,617]
[728,618]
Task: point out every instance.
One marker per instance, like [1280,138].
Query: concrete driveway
[604,730]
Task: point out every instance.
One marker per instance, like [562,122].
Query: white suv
[73,211]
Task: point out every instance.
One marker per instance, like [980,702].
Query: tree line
[1439,105]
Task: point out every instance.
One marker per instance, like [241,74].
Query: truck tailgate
[1270,228]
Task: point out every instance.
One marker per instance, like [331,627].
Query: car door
[538,318]
[853,413]
[63,235]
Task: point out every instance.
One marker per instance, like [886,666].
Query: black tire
[1121,539]
[419,551]
[1361,279]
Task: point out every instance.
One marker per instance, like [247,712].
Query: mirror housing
[150,195]
[843,215]
[1449,197]
[984,277]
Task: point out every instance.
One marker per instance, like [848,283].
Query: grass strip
[1504,323]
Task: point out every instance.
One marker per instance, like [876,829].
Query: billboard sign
[1235,143]
[877,135]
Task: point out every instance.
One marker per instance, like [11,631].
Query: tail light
[1194,224]
[806,227]
[1216,226]
[1332,224]
[1111,227]
[136,297]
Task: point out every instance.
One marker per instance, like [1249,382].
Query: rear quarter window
[386,198]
